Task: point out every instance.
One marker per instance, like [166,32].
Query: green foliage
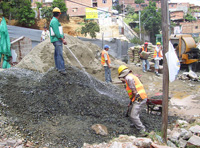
[139,1]
[39,5]
[136,41]
[118,8]
[151,20]
[131,18]
[189,18]
[19,10]
[60,4]
[25,15]
[8,7]
[130,10]
[46,12]
[90,28]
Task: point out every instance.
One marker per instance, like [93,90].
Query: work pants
[58,56]
[107,74]
[135,111]
[145,62]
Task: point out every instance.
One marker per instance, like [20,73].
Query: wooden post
[165,34]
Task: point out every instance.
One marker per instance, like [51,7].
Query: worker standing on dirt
[57,38]
[136,94]
[144,61]
[45,34]
[157,56]
[105,61]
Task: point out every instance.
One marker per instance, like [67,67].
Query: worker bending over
[105,61]
[157,57]
[136,94]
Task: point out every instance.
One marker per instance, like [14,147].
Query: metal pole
[139,24]
[165,33]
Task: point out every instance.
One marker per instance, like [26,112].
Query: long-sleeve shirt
[54,24]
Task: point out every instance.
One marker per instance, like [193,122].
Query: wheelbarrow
[154,103]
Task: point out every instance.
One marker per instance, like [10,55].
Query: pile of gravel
[51,109]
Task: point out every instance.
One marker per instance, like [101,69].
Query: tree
[46,12]
[139,1]
[90,28]
[151,20]
[118,8]
[25,14]
[39,5]
[60,4]
[20,10]
[189,17]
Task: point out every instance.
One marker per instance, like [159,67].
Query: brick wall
[22,48]
[191,27]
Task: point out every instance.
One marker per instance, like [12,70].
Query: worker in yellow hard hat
[157,56]
[58,39]
[137,95]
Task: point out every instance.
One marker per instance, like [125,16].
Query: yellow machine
[185,48]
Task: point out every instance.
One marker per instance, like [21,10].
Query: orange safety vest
[139,87]
[103,59]
[155,54]
[144,50]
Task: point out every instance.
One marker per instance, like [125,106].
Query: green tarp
[5,53]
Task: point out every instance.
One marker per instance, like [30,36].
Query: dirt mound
[55,110]
[41,58]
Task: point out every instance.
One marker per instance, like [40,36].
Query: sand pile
[41,58]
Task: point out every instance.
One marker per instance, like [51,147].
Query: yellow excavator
[186,50]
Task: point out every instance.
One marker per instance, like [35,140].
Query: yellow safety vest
[139,87]
[103,59]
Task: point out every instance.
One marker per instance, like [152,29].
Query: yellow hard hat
[56,9]
[121,68]
[158,43]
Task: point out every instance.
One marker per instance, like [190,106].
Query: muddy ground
[55,110]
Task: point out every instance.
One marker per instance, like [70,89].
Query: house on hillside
[195,11]
[77,7]
[191,27]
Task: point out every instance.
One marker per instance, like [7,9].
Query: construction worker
[105,61]
[57,38]
[45,34]
[144,61]
[157,56]
[136,93]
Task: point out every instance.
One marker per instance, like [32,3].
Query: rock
[194,141]
[182,123]
[169,143]
[187,135]
[195,129]
[11,142]
[182,143]
[100,129]
[121,145]
[3,143]
[142,142]
[183,132]
[174,135]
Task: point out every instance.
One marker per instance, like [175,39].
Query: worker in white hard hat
[57,38]
[157,56]
[137,95]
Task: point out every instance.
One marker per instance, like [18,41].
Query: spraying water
[101,92]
